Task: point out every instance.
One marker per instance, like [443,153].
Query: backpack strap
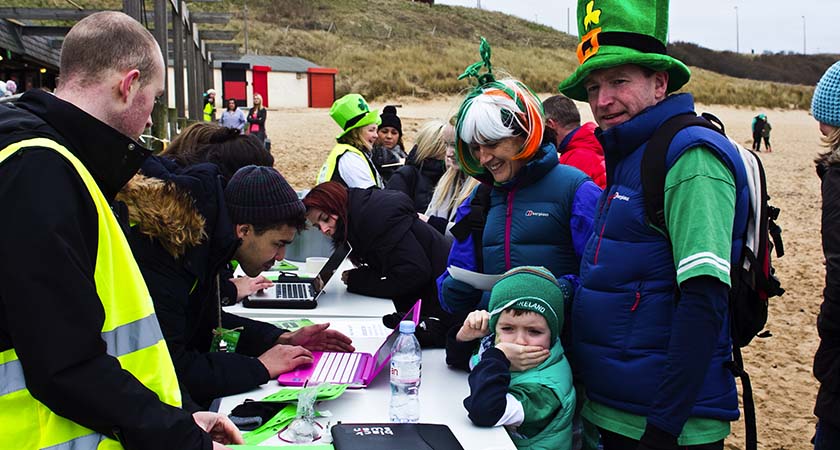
[653,172]
[654,165]
[473,222]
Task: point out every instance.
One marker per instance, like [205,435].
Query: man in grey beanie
[187,230]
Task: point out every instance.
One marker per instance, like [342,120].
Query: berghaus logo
[530,213]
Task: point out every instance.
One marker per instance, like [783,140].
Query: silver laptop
[297,292]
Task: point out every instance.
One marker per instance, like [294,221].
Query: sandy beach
[780,366]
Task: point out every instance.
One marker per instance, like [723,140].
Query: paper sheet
[361,328]
[477,280]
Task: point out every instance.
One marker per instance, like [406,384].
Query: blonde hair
[454,186]
[452,189]
[832,141]
[261,102]
[354,138]
[430,141]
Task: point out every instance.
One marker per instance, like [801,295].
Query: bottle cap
[407,326]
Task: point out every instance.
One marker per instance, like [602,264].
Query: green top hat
[618,32]
[352,111]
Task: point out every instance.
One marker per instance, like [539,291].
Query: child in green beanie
[520,377]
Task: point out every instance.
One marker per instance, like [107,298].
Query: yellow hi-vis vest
[331,164]
[130,330]
[208,111]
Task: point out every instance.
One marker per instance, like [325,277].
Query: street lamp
[737,33]
[803,36]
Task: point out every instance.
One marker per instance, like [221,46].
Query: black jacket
[49,309]
[259,120]
[401,256]
[827,359]
[417,180]
[182,238]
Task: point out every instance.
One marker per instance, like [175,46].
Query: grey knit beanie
[259,195]
[825,106]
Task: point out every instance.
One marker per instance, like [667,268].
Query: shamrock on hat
[617,32]
[352,111]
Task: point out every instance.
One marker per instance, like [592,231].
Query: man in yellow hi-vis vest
[83,363]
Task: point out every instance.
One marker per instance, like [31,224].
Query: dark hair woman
[396,254]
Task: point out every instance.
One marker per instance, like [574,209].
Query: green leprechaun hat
[352,111]
[617,32]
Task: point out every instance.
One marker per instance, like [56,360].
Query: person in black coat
[423,168]
[825,107]
[397,255]
[186,230]
[256,119]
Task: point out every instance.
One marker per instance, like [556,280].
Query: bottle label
[405,372]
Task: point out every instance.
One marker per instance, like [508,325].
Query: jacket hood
[164,212]
[826,160]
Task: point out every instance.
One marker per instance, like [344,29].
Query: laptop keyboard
[294,291]
[336,367]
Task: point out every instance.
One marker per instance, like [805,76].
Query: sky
[769,25]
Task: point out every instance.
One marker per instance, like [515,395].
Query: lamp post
[803,36]
[737,32]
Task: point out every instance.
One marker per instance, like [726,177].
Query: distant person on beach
[825,107]
[761,130]
[349,162]
[209,108]
[389,153]
[576,144]
[256,119]
[650,321]
[424,166]
[233,117]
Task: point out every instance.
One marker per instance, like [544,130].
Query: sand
[780,366]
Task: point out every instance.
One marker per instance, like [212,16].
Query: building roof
[277,63]
[37,49]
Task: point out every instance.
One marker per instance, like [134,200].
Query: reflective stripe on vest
[130,331]
[331,164]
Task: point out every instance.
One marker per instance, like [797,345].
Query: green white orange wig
[495,110]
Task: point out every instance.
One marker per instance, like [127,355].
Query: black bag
[753,277]
[393,436]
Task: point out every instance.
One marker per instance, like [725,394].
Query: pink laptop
[356,369]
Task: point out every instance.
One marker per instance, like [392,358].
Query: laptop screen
[337,257]
[383,354]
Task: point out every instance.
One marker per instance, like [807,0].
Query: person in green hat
[650,321]
[349,161]
[520,377]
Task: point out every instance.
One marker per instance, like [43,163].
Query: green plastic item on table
[272,427]
[325,392]
[284,265]
[292,324]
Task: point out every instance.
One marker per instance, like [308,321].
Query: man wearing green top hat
[349,161]
[650,320]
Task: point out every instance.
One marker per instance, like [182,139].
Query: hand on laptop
[283,358]
[318,338]
[219,427]
[246,286]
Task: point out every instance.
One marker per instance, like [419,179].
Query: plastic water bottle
[406,361]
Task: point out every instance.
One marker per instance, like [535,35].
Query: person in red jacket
[576,144]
